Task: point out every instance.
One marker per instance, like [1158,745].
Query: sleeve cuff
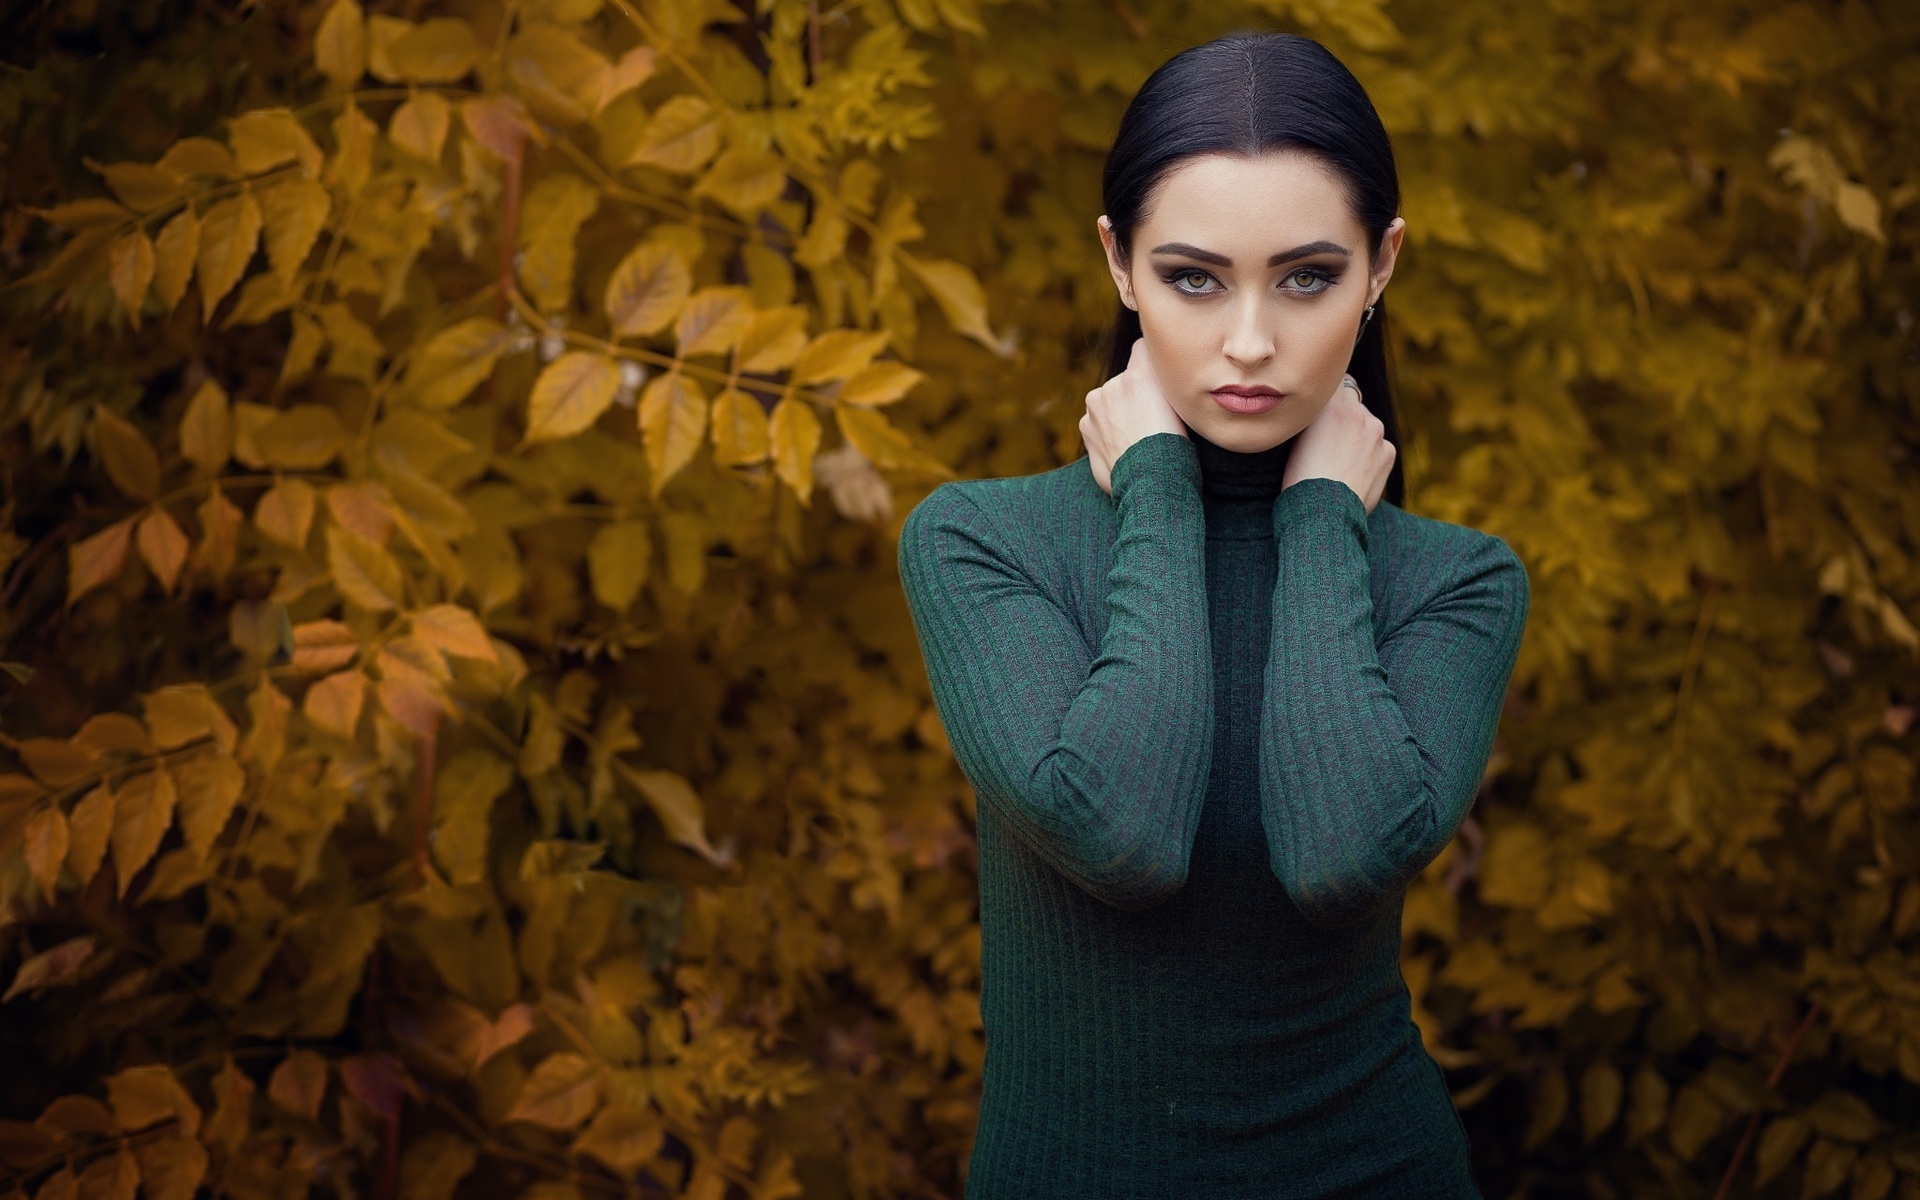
[1320,502]
[1169,457]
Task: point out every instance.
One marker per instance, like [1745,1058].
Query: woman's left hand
[1345,442]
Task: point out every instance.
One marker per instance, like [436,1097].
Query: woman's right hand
[1121,411]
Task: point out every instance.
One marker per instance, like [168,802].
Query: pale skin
[1248,273]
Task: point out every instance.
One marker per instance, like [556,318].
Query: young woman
[1219,695]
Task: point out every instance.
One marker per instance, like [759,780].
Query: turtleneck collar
[1230,475]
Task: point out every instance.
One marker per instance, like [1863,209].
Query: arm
[1369,759]
[1099,763]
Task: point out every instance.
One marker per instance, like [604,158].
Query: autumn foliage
[463,733]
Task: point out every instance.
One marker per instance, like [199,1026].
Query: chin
[1243,436]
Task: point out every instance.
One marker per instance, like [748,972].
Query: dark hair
[1250,94]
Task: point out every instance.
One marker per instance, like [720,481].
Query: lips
[1247,401]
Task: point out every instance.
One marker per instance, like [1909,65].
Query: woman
[1218,700]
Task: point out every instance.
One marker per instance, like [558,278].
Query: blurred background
[463,734]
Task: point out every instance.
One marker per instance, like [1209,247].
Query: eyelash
[1327,279]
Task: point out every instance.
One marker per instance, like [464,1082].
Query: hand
[1121,411]
[1345,442]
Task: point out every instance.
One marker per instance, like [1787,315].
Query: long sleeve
[1369,758]
[1098,761]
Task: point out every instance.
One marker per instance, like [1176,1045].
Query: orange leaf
[90,825]
[47,841]
[163,547]
[334,703]
[142,814]
[131,272]
[562,1092]
[299,1084]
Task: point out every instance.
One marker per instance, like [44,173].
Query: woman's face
[1250,276]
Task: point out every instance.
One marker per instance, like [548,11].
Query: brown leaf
[171,1168]
[622,1138]
[143,812]
[131,272]
[299,1084]
[97,559]
[219,533]
[89,826]
[126,454]
[51,968]
[163,547]
[46,846]
[143,1096]
[561,1092]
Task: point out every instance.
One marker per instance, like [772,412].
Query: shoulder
[1009,518]
[1427,561]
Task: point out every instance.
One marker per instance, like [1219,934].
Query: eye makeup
[1194,281]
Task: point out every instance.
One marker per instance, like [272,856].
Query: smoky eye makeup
[1309,279]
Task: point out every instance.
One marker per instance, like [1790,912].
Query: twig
[1753,1121]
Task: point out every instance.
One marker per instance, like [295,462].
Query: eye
[1310,280]
[1190,281]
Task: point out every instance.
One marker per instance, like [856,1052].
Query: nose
[1249,340]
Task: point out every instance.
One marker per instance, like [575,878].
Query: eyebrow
[1285,256]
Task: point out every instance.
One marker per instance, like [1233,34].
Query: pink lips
[1246,401]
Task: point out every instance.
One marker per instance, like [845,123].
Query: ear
[1122,278]
[1383,261]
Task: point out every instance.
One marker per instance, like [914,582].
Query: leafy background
[464,736]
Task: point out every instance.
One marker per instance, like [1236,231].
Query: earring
[1365,317]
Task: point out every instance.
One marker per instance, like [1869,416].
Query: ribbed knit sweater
[1214,728]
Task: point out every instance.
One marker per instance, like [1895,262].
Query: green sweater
[1214,729]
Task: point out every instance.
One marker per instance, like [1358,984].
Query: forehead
[1214,200]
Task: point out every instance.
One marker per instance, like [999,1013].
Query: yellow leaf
[836,354]
[299,1084]
[561,1092]
[622,1138]
[455,362]
[89,827]
[673,419]
[739,429]
[302,349]
[883,444]
[795,433]
[435,1164]
[142,187]
[463,796]
[744,180]
[206,430]
[1858,209]
[561,77]
[228,234]
[285,513]
[96,560]
[185,712]
[108,731]
[1601,1089]
[353,133]
[363,508]
[143,1096]
[363,573]
[879,384]
[618,559]
[198,156]
[489,1038]
[960,297]
[713,320]
[131,272]
[295,210]
[163,547]
[454,630]
[267,137]
[334,703]
[126,454]
[570,395]
[682,135]
[173,256]
[646,290]
[303,437]
[419,126]
[210,786]
[771,340]
[142,814]
[340,44]
[46,843]
[674,801]
[437,50]
[550,220]
[219,532]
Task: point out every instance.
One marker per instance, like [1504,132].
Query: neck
[1230,475]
